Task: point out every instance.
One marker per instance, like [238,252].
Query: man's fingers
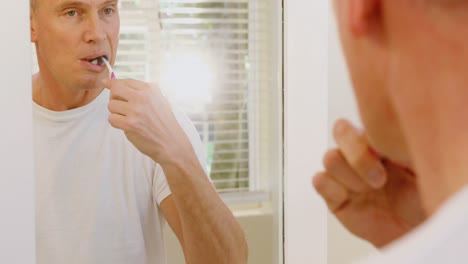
[128,89]
[119,107]
[332,192]
[356,151]
[338,168]
[120,91]
[118,121]
[129,83]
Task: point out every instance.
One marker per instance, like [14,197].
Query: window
[214,59]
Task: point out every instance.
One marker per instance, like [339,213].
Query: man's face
[407,61]
[70,34]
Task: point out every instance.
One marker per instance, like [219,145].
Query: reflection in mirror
[103,196]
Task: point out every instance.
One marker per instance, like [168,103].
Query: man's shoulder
[441,239]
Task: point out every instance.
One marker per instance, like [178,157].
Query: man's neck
[436,131]
[442,171]
[52,96]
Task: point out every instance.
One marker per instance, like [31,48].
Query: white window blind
[230,39]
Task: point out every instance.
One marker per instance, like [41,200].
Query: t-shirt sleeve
[161,188]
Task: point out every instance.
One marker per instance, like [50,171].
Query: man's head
[408,61]
[69,34]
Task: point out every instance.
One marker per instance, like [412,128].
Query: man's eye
[108,11]
[72,13]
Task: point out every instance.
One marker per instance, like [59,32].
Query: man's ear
[33,25]
[363,16]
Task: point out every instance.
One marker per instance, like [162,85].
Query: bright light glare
[188,78]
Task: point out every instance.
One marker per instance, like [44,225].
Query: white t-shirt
[442,239]
[97,196]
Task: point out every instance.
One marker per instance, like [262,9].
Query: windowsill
[248,204]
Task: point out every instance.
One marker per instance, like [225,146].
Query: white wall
[342,246]
[16,172]
[305,128]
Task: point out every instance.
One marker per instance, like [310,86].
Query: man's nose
[94,30]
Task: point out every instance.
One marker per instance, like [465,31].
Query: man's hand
[373,198]
[144,114]
[195,212]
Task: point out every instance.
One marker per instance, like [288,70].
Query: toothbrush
[109,68]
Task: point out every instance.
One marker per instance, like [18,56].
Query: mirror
[218,62]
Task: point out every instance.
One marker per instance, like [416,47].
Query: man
[113,165]
[402,185]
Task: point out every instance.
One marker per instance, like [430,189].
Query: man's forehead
[85,2]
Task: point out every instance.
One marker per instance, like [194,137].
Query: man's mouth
[97,60]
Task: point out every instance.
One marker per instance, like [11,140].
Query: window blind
[233,37]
